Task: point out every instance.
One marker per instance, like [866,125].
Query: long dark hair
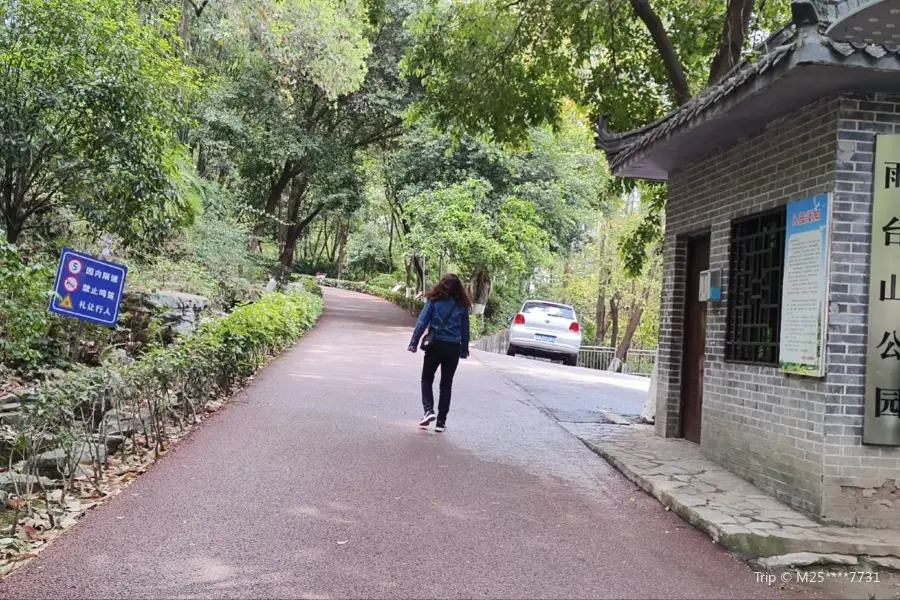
[450,287]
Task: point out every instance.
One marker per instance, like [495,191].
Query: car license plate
[545,338]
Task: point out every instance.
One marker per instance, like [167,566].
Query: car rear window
[553,310]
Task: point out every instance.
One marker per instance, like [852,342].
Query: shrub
[25,323]
[384,281]
[210,259]
[176,380]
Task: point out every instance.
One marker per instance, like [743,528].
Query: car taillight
[519,320]
[574,327]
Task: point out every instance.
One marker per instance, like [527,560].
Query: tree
[308,108]
[598,284]
[504,67]
[559,173]
[457,221]
[500,67]
[90,102]
[283,66]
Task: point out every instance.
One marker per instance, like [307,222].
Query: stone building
[797,121]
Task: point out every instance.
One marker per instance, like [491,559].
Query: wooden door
[694,351]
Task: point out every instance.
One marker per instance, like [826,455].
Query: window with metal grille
[754,289]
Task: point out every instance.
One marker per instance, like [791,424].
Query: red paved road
[322,449]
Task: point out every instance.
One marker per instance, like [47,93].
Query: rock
[113,442]
[3,498]
[10,418]
[120,356]
[10,412]
[891,563]
[55,463]
[123,424]
[9,481]
[178,312]
[805,559]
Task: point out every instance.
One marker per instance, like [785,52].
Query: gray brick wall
[798,438]
[860,481]
[767,427]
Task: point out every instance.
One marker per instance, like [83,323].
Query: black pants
[446,356]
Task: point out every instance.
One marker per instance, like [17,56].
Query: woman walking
[446,315]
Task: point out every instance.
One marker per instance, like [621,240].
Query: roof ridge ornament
[804,12]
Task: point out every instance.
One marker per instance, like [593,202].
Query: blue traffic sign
[88,289]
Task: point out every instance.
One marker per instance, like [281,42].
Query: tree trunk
[614,317]
[299,188]
[734,32]
[345,231]
[419,268]
[185,26]
[481,287]
[680,87]
[634,321]
[391,245]
[601,316]
[12,232]
[408,266]
[274,199]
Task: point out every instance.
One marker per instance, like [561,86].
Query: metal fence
[638,362]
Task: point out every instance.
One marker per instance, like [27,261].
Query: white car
[547,330]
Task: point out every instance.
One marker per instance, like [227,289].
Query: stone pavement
[729,509]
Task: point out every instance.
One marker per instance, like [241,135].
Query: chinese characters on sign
[805,287]
[88,289]
[882,417]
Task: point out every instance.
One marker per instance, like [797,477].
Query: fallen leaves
[15,503]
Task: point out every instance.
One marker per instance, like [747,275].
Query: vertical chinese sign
[882,420]
[804,302]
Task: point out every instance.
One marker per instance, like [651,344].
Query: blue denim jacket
[455,330]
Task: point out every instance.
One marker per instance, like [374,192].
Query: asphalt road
[573,395]
[316,483]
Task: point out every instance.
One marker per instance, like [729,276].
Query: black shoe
[440,427]
[427,420]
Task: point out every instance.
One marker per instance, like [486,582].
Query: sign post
[88,289]
[804,301]
[882,416]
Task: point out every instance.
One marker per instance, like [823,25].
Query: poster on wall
[804,300]
[882,408]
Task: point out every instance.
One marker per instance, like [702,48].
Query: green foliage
[645,234]
[25,322]
[209,259]
[503,68]
[91,98]
[599,272]
[385,281]
[450,221]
